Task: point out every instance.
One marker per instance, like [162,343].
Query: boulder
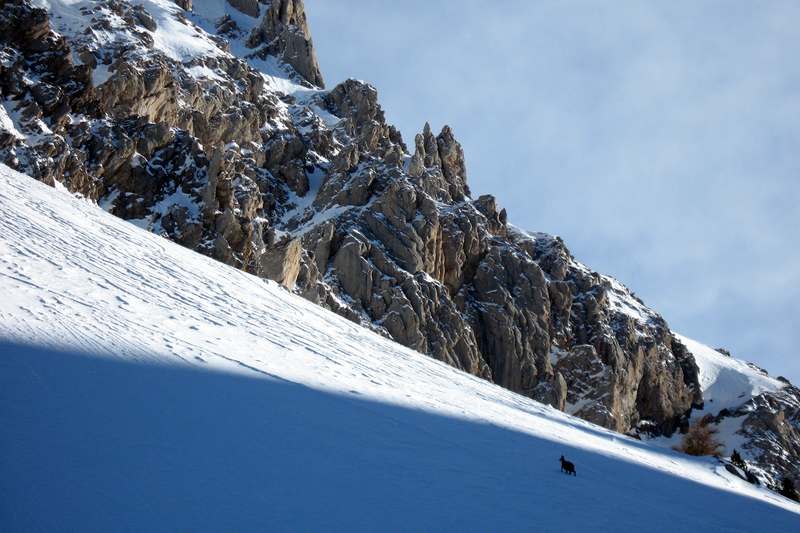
[282,263]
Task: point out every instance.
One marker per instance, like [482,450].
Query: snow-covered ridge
[620,298]
[727,382]
[73,276]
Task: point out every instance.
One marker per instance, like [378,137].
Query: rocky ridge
[207,122]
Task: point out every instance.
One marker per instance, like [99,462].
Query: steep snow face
[727,382]
[7,125]
[266,411]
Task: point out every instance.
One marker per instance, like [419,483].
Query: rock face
[770,429]
[270,174]
[248,7]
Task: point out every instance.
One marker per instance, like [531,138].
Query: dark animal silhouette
[567,467]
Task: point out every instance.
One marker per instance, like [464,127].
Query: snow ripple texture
[213,400]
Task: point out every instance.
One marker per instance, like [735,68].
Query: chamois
[567,467]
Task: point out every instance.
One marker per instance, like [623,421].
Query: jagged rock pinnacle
[438,164]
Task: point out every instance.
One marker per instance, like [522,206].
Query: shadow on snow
[96,444]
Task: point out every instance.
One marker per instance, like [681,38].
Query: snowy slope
[217,401]
[727,382]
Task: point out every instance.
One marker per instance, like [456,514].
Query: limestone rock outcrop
[438,165]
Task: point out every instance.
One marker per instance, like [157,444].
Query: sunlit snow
[215,400]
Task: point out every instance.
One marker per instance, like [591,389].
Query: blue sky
[661,140]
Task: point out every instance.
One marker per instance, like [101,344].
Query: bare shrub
[701,439]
